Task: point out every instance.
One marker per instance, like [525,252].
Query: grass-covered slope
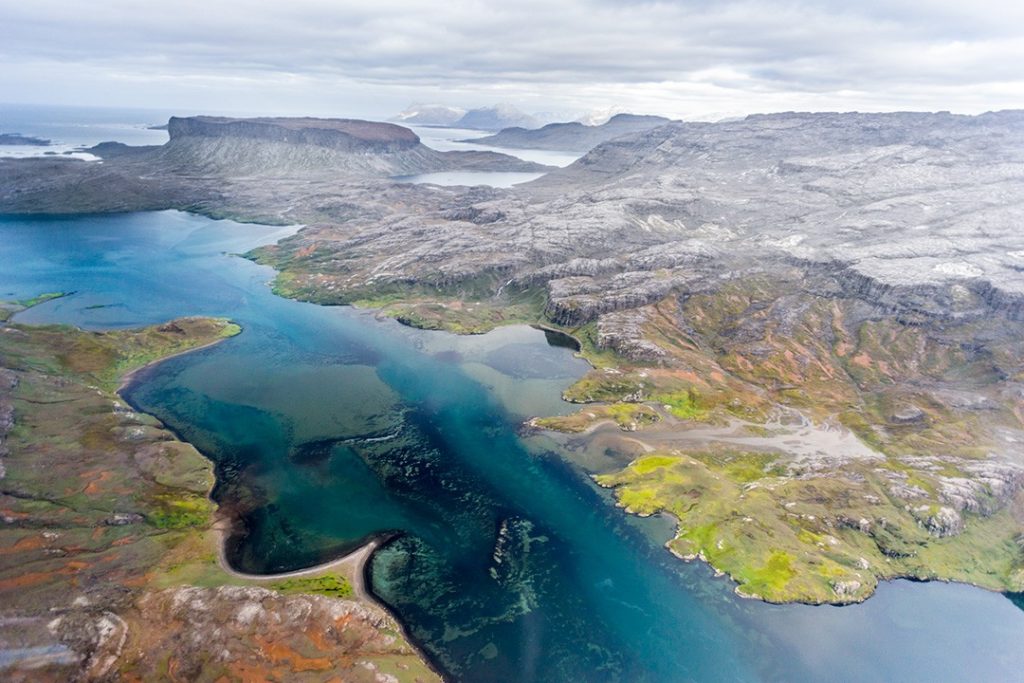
[785,535]
[933,492]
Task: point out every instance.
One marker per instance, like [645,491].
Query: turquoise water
[328,426]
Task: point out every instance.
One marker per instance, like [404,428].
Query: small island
[18,139]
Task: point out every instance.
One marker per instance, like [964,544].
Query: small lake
[328,426]
[455,139]
[460,139]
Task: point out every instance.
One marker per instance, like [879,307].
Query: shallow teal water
[328,426]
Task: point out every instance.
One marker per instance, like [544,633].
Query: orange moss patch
[93,486]
[280,653]
[25,580]
[24,544]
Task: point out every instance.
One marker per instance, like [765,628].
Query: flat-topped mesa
[350,135]
[310,148]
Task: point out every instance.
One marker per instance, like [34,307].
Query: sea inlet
[329,427]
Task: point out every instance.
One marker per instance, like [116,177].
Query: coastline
[356,561]
[128,378]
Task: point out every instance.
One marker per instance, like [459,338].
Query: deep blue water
[328,426]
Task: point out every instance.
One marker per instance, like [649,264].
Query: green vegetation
[111,483]
[628,416]
[41,298]
[9,308]
[181,512]
[330,585]
[683,404]
[818,538]
[608,385]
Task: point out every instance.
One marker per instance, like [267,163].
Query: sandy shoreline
[354,562]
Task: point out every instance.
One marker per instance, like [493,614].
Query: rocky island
[18,139]
[804,327]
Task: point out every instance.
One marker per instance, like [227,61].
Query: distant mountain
[573,136]
[498,117]
[429,115]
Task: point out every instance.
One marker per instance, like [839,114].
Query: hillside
[573,136]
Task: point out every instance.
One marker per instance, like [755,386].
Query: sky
[693,59]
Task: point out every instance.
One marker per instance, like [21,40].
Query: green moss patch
[816,539]
[330,585]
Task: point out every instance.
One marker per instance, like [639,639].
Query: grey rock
[908,414]
[572,136]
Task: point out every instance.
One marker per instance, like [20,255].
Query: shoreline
[130,377]
[357,560]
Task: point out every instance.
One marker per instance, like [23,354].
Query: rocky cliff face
[310,147]
[206,154]
[348,135]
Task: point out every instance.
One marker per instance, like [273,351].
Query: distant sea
[73,128]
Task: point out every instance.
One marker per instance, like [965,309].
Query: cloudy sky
[691,59]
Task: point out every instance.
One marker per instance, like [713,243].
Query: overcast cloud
[692,59]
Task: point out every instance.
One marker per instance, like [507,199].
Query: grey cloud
[746,46]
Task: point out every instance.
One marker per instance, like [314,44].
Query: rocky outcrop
[623,332]
[573,301]
[252,632]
